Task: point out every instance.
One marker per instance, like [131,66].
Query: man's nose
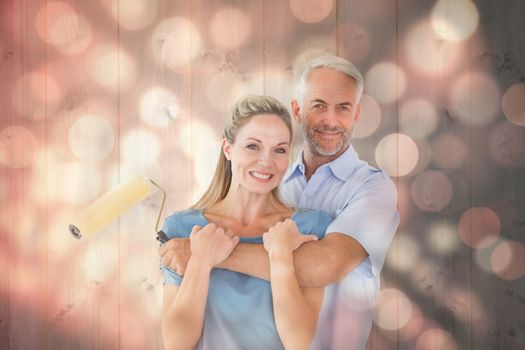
[330,117]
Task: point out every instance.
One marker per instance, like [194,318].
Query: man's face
[328,112]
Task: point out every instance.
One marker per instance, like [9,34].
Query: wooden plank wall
[95,92]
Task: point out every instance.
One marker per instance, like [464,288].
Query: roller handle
[161,237]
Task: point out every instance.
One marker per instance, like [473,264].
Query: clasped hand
[285,236]
[210,245]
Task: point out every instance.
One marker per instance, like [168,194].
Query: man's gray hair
[326,61]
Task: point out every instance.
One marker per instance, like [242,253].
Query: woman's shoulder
[312,221]
[180,223]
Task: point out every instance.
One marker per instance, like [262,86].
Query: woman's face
[259,156]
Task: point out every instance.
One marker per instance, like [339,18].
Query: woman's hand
[211,245]
[285,236]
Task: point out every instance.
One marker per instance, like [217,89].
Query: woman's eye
[252,146]
[280,150]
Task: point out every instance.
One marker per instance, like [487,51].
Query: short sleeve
[370,217]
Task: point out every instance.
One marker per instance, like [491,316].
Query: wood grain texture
[100,61]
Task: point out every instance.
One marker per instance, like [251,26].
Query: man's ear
[226,149]
[296,111]
[357,112]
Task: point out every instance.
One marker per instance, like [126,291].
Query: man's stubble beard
[316,149]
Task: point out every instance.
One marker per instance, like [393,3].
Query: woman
[219,309]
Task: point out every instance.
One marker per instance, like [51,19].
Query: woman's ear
[226,149]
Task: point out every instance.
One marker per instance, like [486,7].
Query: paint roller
[114,203]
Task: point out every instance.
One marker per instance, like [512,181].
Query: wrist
[281,256]
[200,266]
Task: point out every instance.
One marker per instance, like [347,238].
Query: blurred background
[95,92]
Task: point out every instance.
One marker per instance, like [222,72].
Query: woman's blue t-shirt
[239,310]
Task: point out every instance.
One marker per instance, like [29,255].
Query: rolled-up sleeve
[170,277]
[370,217]
[170,227]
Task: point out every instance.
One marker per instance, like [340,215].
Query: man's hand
[175,254]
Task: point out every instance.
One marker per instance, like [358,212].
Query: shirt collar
[296,169]
[342,167]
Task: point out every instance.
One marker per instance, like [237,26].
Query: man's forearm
[250,259]
[317,263]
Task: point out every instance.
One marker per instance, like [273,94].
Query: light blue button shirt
[362,201]
[239,309]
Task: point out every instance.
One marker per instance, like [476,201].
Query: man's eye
[318,106]
[344,109]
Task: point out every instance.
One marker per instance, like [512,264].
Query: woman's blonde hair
[243,110]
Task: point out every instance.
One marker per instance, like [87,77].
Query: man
[328,175]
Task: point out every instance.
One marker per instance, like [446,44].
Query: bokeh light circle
[508,260]
[370,118]
[418,118]
[403,253]
[448,151]
[356,42]
[409,330]
[442,237]
[223,89]
[230,28]
[18,147]
[393,309]
[36,94]
[99,260]
[475,98]
[397,154]
[479,227]
[58,24]
[176,42]
[159,107]
[200,141]
[91,138]
[311,11]
[507,145]
[111,67]
[73,182]
[513,104]
[140,148]
[386,82]
[134,14]
[455,20]
[431,191]
[428,53]
[436,339]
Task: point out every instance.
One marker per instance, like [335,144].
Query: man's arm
[317,263]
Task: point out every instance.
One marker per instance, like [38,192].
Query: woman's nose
[264,158]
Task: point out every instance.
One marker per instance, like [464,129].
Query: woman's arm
[183,306]
[295,310]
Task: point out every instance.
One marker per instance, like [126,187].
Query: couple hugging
[276,256]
